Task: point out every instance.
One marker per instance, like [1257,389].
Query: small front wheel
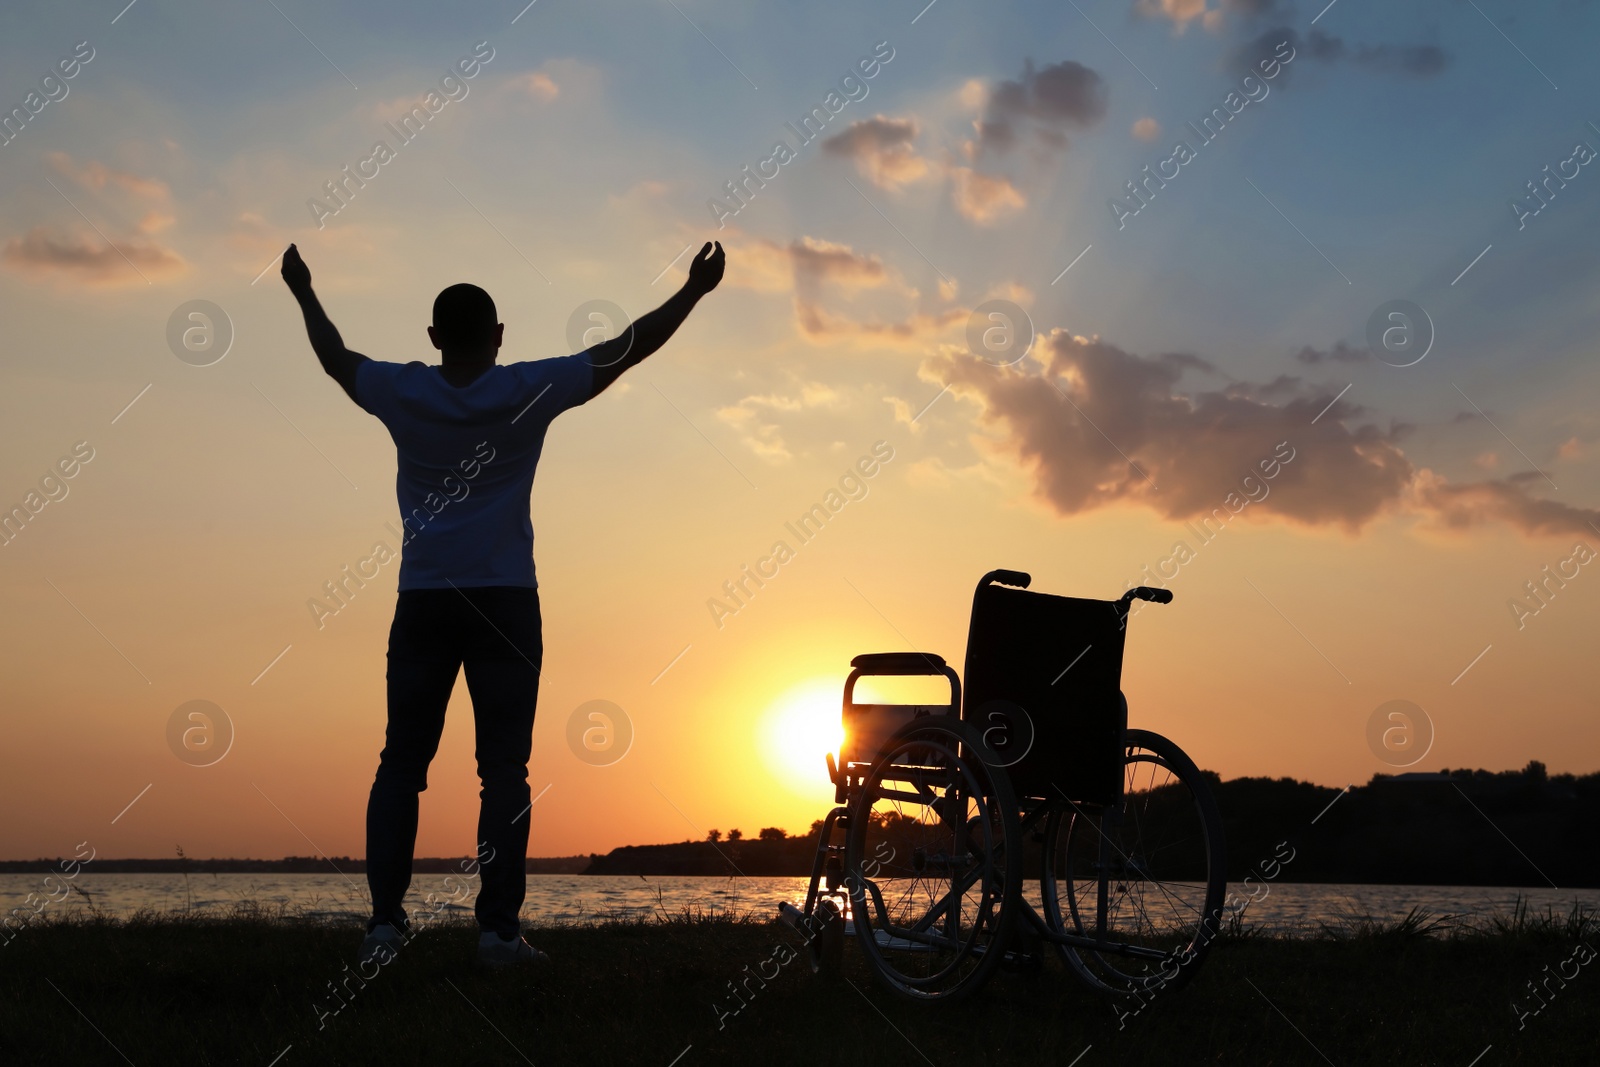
[825,950]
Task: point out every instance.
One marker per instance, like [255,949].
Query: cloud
[817,269]
[882,150]
[1264,47]
[97,176]
[760,436]
[806,265]
[1181,12]
[1038,109]
[914,333]
[811,266]
[759,265]
[1339,353]
[1096,426]
[398,107]
[154,222]
[816,261]
[90,259]
[1046,103]
[903,411]
[984,198]
[1416,61]
[749,417]
[1422,60]
[1462,507]
[575,83]
[536,84]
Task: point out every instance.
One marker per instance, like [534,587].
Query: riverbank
[259,991]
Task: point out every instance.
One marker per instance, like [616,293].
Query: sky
[1386,494]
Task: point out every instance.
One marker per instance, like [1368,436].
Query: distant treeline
[1462,827]
[1511,828]
[1508,828]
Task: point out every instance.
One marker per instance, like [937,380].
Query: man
[467,434]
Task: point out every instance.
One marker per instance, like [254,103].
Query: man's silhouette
[468,435]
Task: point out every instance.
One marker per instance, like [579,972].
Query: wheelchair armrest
[899,663]
[902,663]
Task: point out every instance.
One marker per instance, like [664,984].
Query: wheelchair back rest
[1043,685]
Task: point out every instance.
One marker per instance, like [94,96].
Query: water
[552,898]
[1287,909]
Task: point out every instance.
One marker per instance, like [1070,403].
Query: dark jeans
[495,632]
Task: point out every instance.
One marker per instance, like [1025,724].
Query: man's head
[465,322]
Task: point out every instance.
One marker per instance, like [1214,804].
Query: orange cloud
[96,176]
[91,260]
[984,198]
[811,266]
[1181,12]
[916,332]
[1096,425]
[154,222]
[1507,500]
[750,417]
[882,150]
[537,84]
[817,261]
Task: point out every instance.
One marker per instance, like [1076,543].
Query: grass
[242,988]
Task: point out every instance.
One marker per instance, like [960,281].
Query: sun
[802,726]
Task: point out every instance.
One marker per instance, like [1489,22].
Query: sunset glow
[965,324]
[804,725]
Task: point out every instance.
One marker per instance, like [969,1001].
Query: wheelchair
[1021,819]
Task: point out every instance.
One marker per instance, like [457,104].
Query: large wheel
[1148,872]
[933,862]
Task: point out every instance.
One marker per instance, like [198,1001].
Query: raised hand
[295,272]
[705,271]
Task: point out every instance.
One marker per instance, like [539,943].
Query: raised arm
[336,359]
[651,330]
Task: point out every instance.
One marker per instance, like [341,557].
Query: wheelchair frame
[976,831]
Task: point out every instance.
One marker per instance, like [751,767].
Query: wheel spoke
[935,832]
[1156,859]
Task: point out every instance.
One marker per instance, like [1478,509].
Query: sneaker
[382,944]
[497,951]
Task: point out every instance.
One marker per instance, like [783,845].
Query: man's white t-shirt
[466,458]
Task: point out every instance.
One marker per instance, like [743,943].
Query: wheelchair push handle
[1020,579]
